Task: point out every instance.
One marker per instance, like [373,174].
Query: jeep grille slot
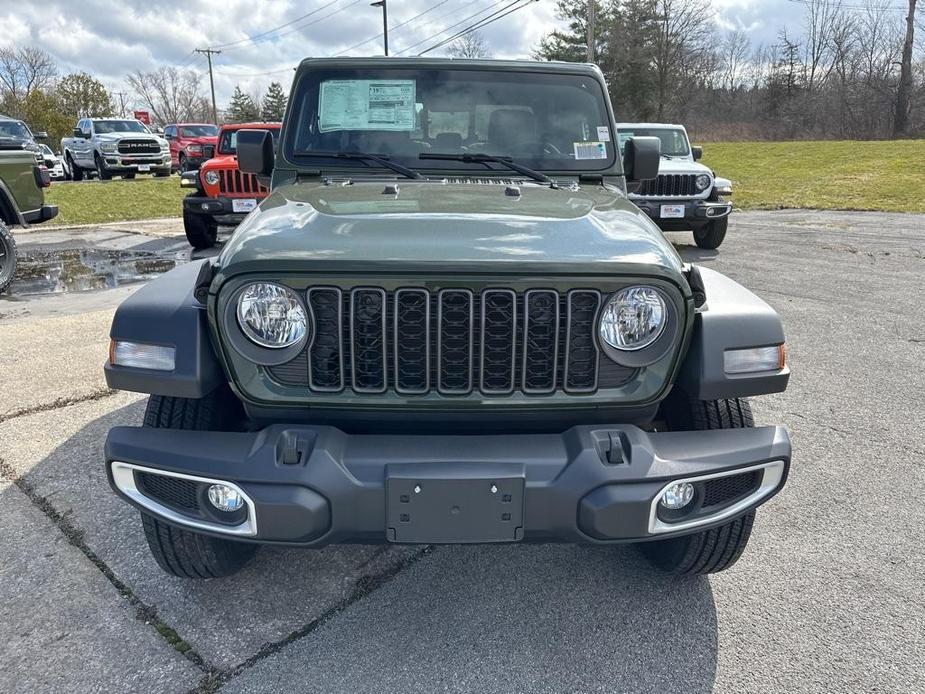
[233,182]
[669,185]
[452,341]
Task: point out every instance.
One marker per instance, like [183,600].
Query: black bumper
[43,214]
[316,485]
[212,207]
[696,212]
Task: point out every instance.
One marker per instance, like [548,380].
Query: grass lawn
[92,202]
[887,176]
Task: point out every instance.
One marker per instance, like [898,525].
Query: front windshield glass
[15,130]
[198,131]
[46,150]
[544,121]
[674,140]
[104,127]
[228,141]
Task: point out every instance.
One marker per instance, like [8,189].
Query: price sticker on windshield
[590,150]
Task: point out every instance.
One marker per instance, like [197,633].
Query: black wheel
[181,163]
[7,257]
[719,548]
[77,173]
[101,169]
[178,551]
[711,234]
[128,176]
[201,230]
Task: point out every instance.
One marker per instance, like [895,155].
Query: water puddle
[86,269]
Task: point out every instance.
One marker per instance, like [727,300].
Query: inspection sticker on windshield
[590,150]
[366,105]
[603,133]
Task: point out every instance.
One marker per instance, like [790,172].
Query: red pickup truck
[224,195]
[187,141]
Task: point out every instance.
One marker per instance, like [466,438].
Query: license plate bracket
[243,204]
[454,509]
[672,211]
[144,167]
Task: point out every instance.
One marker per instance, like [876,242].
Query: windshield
[46,150]
[198,131]
[103,127]
[228,142]
[674,140]
[15,130]
[545,121]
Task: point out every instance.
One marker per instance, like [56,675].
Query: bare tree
[471,45]
[22,71]
[684,46]
[734,54]
[171,95]
[904,89]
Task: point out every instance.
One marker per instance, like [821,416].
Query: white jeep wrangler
[686,196]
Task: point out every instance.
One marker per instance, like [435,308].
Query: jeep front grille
[669,185]
[452,341]
[233,182]
[139,147]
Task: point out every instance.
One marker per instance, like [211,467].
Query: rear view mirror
[255,152]
[641,157]
[697,152]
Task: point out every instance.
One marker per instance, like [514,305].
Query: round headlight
[633,318]
[271,315]
[211,177]
[702,182]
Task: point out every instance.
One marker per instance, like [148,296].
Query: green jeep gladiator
[446,324]
[22,200]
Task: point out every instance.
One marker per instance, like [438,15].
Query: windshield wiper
[380,159]
[469,158]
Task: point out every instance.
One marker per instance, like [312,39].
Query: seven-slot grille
[233,182]
[668,185]
[139,147]
[451,341]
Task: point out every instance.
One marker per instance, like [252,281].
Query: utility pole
[592,18]
[208,53]
[904,90]
[385,22]
[121,96]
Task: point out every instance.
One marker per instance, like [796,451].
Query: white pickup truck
[114,147]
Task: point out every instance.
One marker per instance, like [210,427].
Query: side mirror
[77,132]
[255,152]
[167,136]
[41,135]
[208,151]
[697,152]
[641,158]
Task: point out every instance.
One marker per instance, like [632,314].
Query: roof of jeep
[648,125]
[456,63]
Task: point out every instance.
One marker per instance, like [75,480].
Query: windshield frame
[313,71]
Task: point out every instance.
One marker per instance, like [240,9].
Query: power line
[481,23]
[394,28]
[452,26]
[253,38]
[222,73]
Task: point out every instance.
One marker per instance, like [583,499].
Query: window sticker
[366,105]
[603,133]
[590,150]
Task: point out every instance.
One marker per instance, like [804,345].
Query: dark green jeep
[446,324]
[22,199]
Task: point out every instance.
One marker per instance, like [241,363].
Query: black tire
[7,257]
[101,170]
[178,551]
[162,174]
[201,230]
[181,164]
[711,234]
[77,173]
[719,548]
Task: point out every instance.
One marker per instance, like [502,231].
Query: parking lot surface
[829,597]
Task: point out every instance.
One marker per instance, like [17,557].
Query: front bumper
[125,163]
[214,207]
[696,212]
[316,485]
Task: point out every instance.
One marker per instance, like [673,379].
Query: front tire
[711,234]
[178,551]
[77,173]
[201,230]
[7,257]
[714,550]
[101,169]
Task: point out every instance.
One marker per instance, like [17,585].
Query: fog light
[225,498]
[754,359]
[142,356]
[677,495]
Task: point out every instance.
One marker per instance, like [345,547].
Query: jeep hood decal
[447,227]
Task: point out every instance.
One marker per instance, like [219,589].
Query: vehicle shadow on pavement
[526,617]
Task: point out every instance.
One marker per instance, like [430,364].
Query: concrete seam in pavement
[364,586]
[55,404]
[143,612]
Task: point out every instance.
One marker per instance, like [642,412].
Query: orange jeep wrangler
[223,194]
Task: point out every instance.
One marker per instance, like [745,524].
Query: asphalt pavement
[829,597]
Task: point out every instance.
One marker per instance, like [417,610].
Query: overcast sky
[110,38]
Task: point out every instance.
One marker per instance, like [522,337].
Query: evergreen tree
[242,108]
[274,103]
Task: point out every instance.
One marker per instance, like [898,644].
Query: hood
[203,140]
[682,166]
[449,227]
[112,137]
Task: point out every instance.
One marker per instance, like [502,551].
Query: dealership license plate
[243,204]
[144,167]
[672,212]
